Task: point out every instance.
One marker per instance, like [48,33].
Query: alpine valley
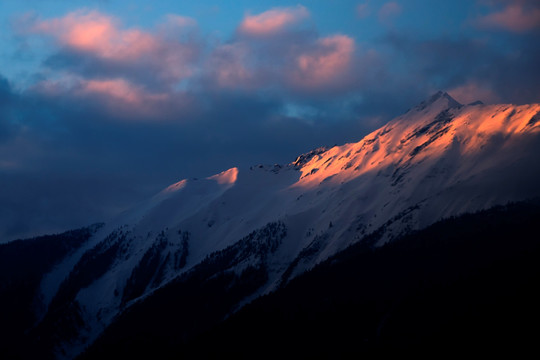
[424,234]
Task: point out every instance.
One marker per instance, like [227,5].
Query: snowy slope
[439,159]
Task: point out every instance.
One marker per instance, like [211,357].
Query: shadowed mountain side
[22,266]
[465,283]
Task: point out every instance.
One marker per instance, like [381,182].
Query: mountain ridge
[273,223]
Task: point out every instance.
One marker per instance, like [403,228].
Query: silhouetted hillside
[22,266]
[465,283]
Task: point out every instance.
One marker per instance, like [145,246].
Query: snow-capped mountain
[272,223]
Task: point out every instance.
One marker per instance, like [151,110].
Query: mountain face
[467,284]
[215,244]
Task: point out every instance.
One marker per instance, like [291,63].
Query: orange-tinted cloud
[139,70]
[97,33]
[325,64]
[515,17]
[120,90]
[116,96]
[301,65]
[273,21]
[100,40]
[127,100]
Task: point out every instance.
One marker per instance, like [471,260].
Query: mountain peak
[304,158]
[439,97]
[226,177]
[474,103]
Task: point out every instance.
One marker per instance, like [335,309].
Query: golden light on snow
[407,142]
[226,177]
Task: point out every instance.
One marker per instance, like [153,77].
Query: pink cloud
[126,100]
[131,68]
[273,21]
[116,96]
[389,11]
[326,64]
[309,65]
[120,89]
[120,100]
[100,36]
[97,33]
[515,17]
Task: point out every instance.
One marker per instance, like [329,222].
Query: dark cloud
[507,66]
[7,101]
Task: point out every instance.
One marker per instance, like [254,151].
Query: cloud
[118,88]
[177,22]
[363,10]
[326,64]
[228,67]
[491,72]
[389,11]
[135,71]
[298,64]
[93,32]
[474,91]
[126,100]
[95,45]
[117,98]
[9,103]
[515,17]
[273,21]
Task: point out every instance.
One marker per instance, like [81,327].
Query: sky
[103,103]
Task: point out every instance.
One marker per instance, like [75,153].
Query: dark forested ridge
[22,266]
[195,301]
[463,283]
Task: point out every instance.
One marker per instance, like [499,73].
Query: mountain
[215,244]
[466,284]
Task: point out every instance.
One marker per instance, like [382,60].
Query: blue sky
[105,102]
